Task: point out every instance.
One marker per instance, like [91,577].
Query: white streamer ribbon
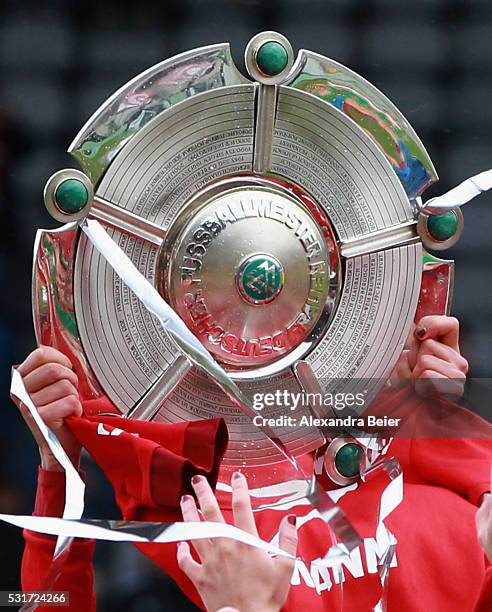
[166,533]
[460,195]
[74,485]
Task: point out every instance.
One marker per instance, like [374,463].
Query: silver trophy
[279,215]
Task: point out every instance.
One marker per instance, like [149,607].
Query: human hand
[232,574]
[432,358]
[437,357]
[52,385]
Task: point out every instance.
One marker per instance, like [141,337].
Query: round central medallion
[260,278]
[247,267]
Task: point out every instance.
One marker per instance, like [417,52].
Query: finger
[288,542]
[40,356]
[431,363]
[51,393]
[445,352]
[446,329]
[287,537]
[190,515]
[48,374]
[206,499]
[55,413]
[189,509]
[241,504]
[187,564]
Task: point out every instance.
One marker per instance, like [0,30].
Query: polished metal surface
[143,98]
[54,316]
[250,55]
[397,235]
[198,397]
[204,281]
[276,217]
[373,318]
[319,147]
[372,111]
[330,464]
[437,287]
[50,190]
[150,404]
[127,222]
[439,245]
[266,110]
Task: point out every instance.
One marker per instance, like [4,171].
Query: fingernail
[420,333]
[186,498]
[291,519]
[237,476]
[197,479]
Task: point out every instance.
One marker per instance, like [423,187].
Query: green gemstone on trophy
[347,460]
[272,58]
[71,196]
[443,227]
[261,279]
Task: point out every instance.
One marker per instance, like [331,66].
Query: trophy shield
[276,213]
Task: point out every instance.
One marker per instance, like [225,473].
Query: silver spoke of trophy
[269,73]
[151,402]
[388,238]
[125,221]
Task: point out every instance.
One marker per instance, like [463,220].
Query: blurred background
[60,59]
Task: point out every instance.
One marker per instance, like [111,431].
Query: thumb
[288,535]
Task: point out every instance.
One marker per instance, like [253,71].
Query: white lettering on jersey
[300,570]
[322,578]
[102,431]
[374,552]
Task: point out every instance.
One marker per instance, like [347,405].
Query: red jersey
[438,564]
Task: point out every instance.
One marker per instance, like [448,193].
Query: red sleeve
[150,464]
[484,603]
[77,575]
